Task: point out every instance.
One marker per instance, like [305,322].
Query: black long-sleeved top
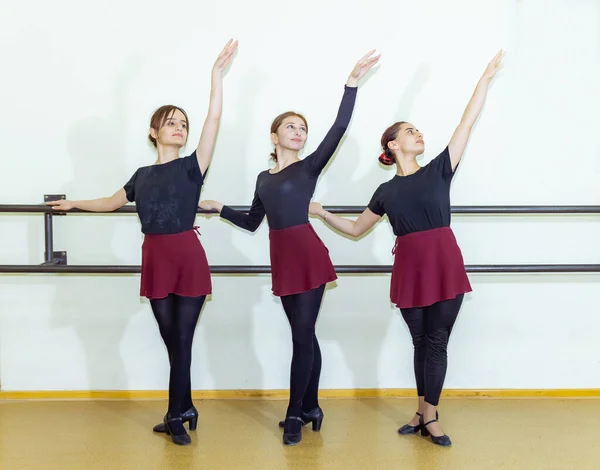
[284,196]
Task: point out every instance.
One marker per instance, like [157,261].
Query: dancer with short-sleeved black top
[429,278]
[175,273]
[300,263]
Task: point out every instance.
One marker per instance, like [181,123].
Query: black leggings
[177,317]
[302,311]
[430,328]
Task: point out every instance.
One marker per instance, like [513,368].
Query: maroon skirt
[299,260]
[428,268]
[174,264]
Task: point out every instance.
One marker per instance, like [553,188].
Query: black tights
[302,311]
[177,317]
[430,328]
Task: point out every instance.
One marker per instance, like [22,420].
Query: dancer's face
[409,140]
[291,134]
[174,130]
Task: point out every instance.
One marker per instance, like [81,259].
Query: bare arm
[461,135]
[103,204]
[354,228]
[208,137]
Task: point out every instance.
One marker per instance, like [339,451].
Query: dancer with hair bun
[429,279]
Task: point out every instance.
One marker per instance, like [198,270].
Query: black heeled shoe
[439,440]
[408,429]
[174,428]
[292,438]
[314,416]
[190,416]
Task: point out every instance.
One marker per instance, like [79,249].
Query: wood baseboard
[283,394]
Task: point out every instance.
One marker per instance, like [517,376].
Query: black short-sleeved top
[417,202]
[166,195]
[284,196]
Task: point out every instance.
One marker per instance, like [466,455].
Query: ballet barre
[56,261]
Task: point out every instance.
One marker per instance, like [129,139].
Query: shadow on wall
[229,335]
[98,312]
[353,339]
[356,340]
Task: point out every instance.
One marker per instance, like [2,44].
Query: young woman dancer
[175,273]
[428,277]
[300,263]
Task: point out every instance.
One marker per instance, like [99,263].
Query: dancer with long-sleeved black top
[300,263]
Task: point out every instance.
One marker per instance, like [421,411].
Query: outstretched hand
[210,205]
[225,56]
[494,65]
[315,208]
[361,68]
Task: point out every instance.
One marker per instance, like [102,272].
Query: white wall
[80,81]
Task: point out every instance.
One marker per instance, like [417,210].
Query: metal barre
[344,269]
[55,262]
[131,209]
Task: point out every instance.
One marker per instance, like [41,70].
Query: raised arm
[318,159]
[103,204]
[461,135]
[208,137]
[354,228]
[250,221]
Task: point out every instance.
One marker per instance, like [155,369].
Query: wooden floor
[357,434]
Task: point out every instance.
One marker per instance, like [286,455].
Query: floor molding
[283,394]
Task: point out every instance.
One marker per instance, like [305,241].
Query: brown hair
[391,133]
[161,115]
[279,120]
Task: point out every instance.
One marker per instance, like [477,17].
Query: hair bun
[383,158]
